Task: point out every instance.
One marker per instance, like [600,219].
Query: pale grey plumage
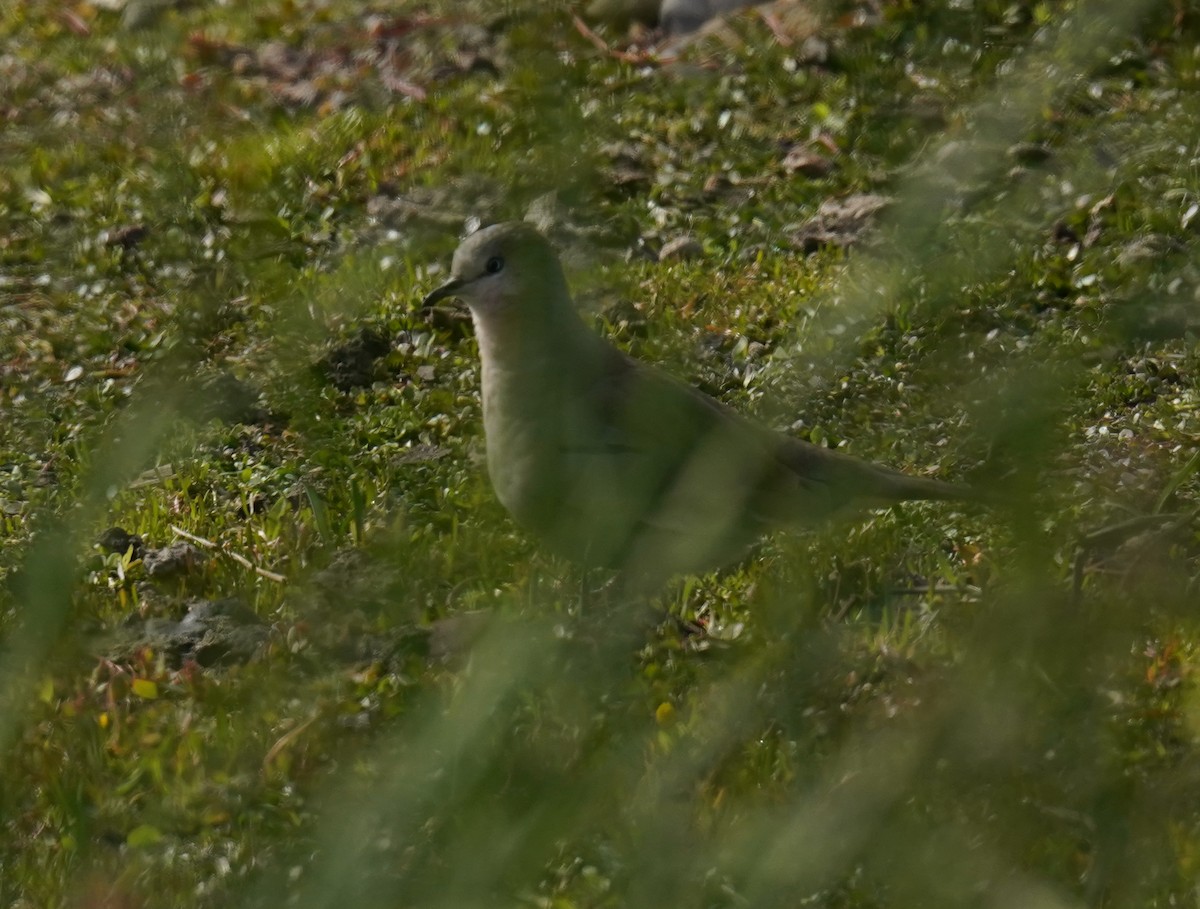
[611,462]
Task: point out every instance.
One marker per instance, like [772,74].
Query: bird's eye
[494,264]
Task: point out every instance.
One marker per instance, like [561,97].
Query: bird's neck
[554,343]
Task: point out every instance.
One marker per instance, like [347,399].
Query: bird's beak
[449,289]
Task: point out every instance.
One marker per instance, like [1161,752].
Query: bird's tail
[893,486]
[839,480]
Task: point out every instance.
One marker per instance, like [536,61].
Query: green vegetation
[363,685]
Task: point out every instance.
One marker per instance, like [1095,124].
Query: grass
[208,291]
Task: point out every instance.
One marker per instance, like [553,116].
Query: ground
[268,638]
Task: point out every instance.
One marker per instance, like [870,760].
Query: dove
[613,463]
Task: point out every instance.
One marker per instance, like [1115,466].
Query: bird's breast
[549,465]
[520,424]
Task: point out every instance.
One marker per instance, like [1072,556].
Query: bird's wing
[689,482]
[852,479]
[686,466]
[675,429]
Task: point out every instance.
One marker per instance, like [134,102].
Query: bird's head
[501,266]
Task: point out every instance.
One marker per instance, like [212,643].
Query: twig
[236,556]
[156,474]
[199,541]
[772,22]
[641,58]
[1114,535]
[284,741]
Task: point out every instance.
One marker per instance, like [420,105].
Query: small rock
[202,613]
[624,316]
[622,13]
[47,475]
[178,559]
[420,454]
[840,222]
[1029,152]
[680,249]
[139,14]
[126,237]
[802,160]
[118,539]
[356,578]
[281,61]
[352,364]
[219,394]
[211,632]
[814,51]
[1062,232]
[453,636]
[682,16]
